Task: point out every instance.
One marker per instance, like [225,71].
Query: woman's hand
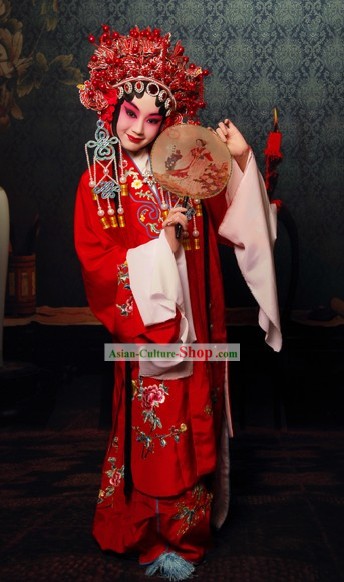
[175,216]
[235,142]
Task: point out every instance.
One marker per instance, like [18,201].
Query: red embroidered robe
[175,424]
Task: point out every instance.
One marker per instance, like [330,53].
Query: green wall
[261,54]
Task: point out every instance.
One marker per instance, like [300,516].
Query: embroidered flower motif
[123,275]
[150,398]
[134,173]
[148,214]
[191,513]
[115,479]
[153,396]
[145,195]
[127,307]
[151,227]
[114,475]
[148,439]
[136,184]
[208,410]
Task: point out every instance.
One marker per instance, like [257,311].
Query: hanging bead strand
[198,207]
[195,234]
[123,184]
[120,212]
[112,214]
[163,206]
[123,191]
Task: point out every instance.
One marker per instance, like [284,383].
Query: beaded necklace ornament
[105,185]
[143,60]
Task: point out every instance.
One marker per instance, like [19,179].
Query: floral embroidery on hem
[190,515]
[114,475]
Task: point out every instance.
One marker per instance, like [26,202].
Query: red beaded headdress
[142,60]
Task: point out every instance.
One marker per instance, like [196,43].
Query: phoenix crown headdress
[143,60]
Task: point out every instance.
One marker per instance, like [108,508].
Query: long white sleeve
[251,224]
[159,284]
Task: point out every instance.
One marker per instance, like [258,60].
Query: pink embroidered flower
[129,304]
[115,479]
[152,396]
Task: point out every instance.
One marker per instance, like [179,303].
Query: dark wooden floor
[286,517]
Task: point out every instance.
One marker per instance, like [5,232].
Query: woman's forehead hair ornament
[143,60]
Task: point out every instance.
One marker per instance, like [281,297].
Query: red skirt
[175,431]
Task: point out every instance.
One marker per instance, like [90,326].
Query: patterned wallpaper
[261,53]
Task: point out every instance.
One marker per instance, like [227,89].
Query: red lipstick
[134,139]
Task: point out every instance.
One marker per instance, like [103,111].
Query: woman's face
[138,123]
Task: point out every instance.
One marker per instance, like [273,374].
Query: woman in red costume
[165,474]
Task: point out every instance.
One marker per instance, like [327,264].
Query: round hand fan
[191,161]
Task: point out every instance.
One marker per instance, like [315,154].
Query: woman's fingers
[222,134]
[176,218]
[223,126]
